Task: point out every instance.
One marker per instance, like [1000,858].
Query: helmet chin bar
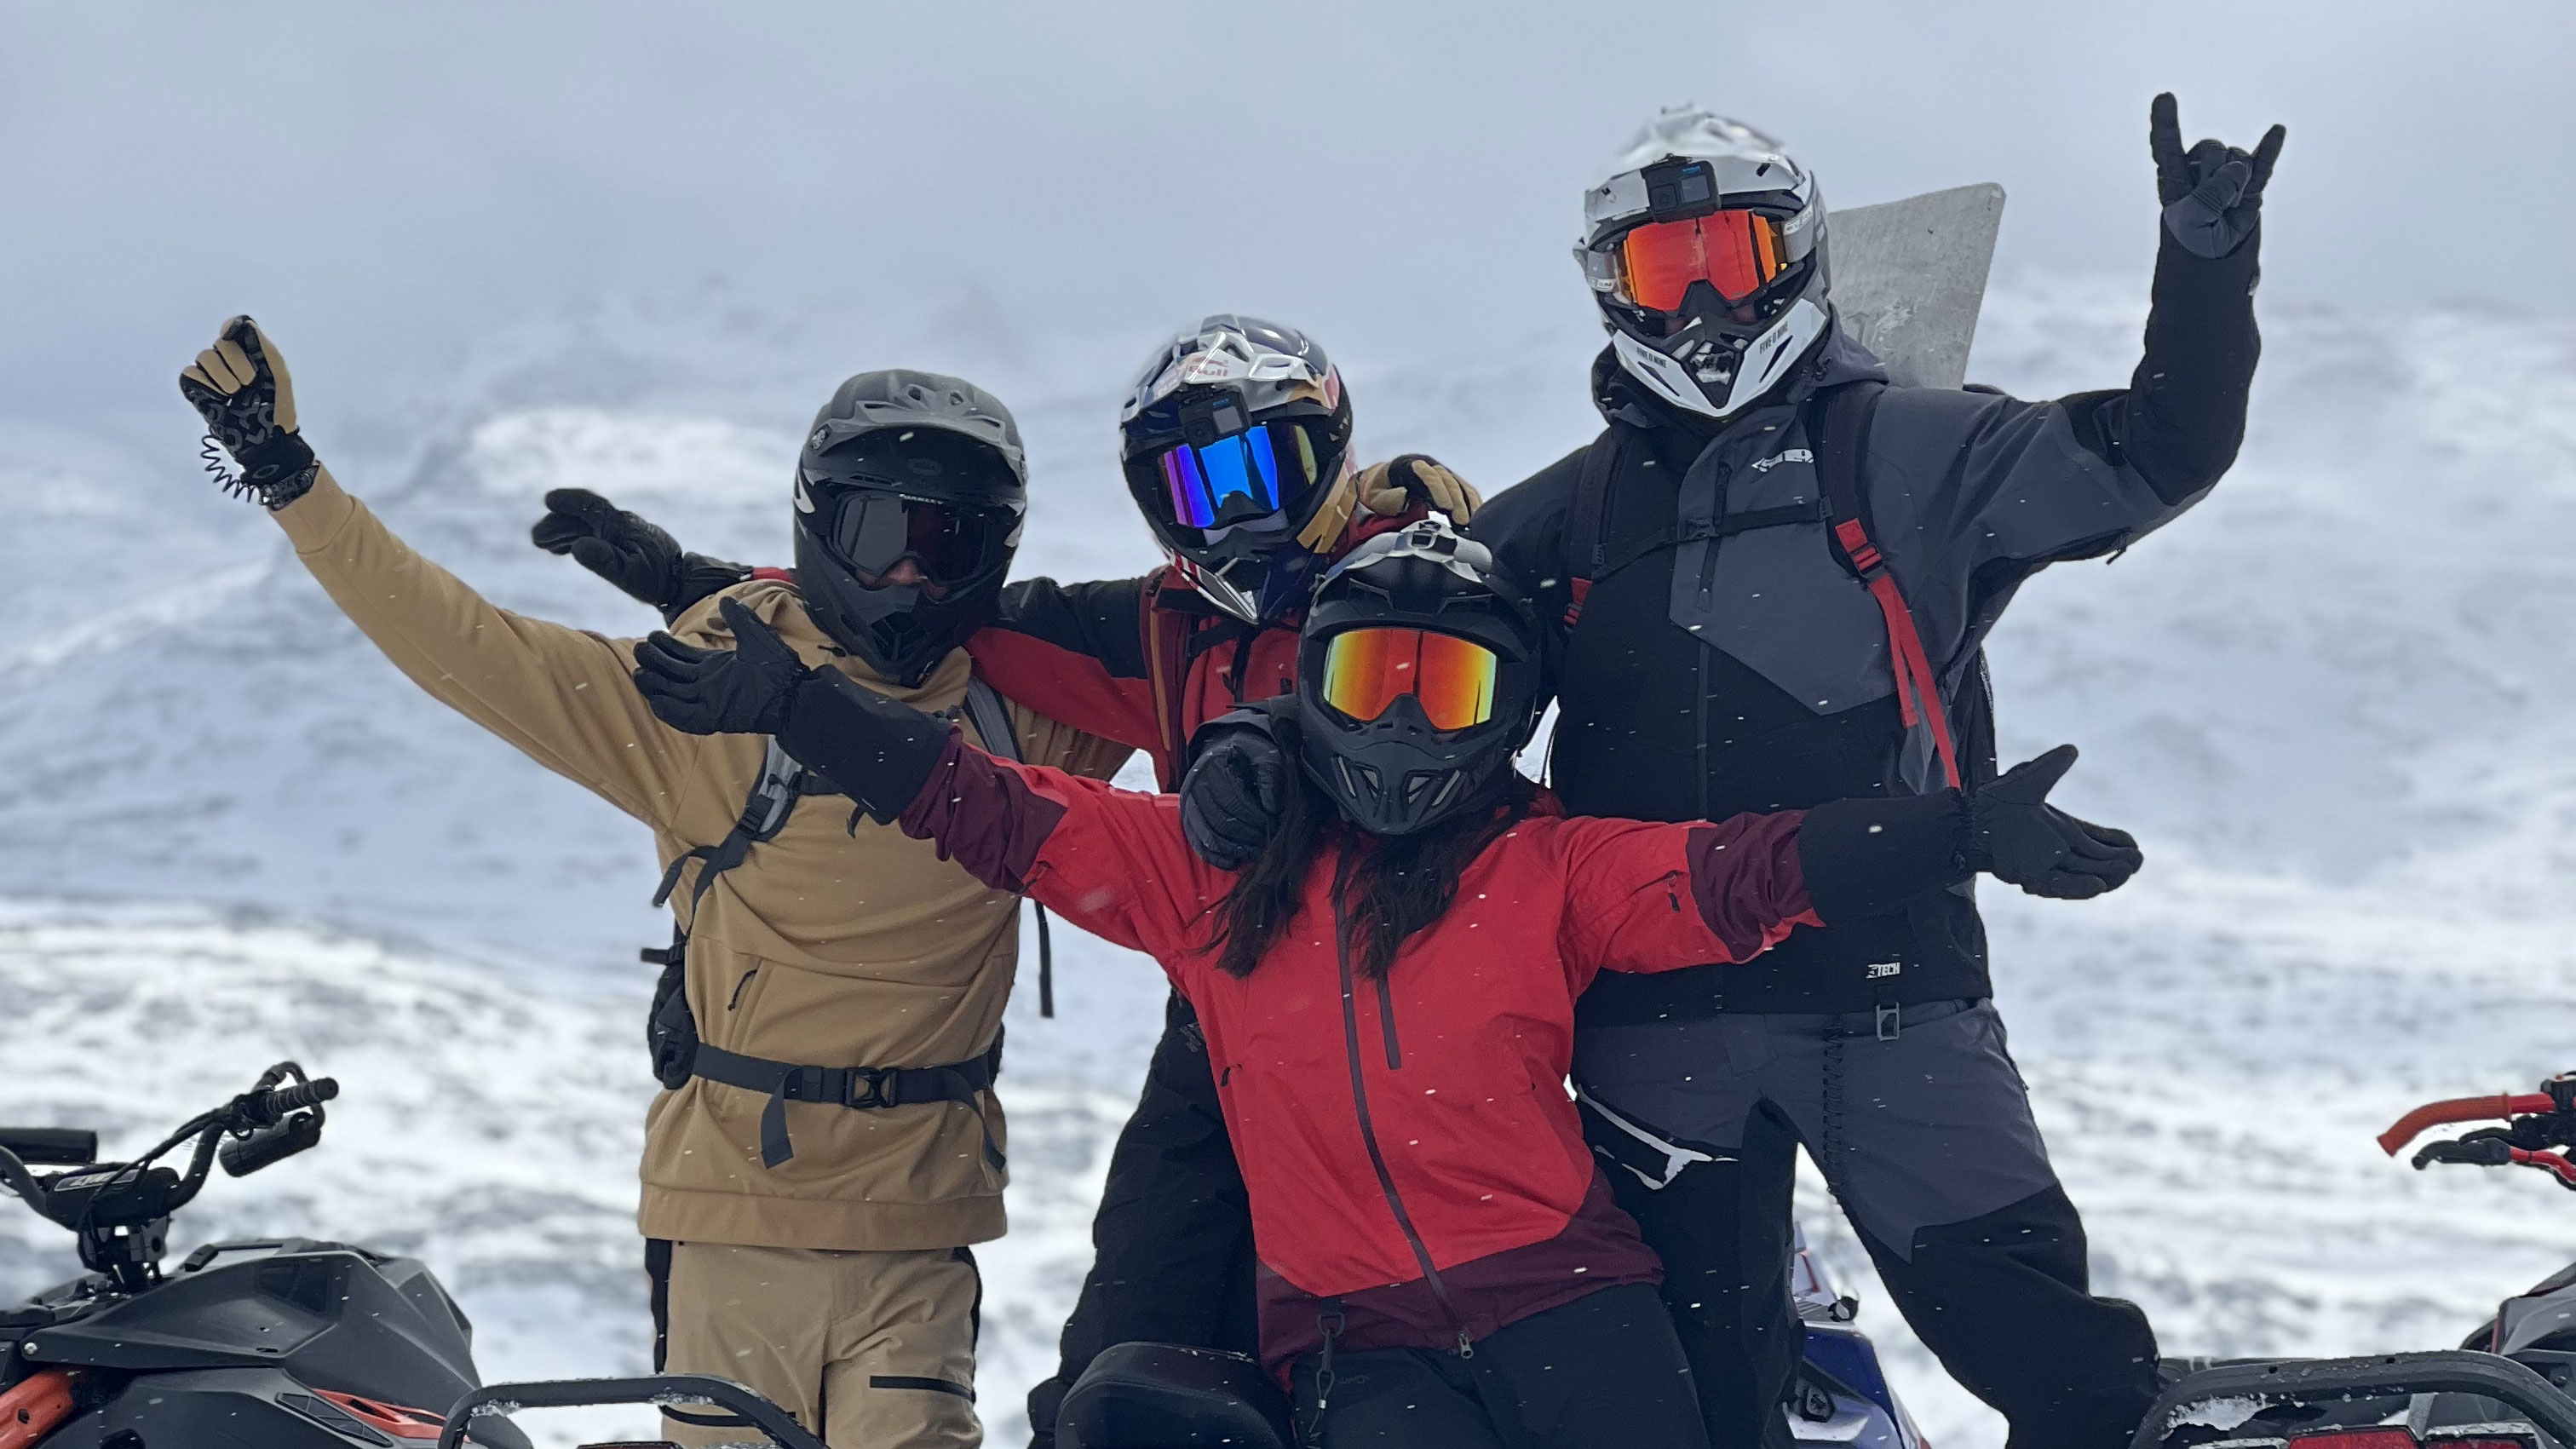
[1764,364]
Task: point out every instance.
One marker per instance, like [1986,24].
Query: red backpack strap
[1842,440]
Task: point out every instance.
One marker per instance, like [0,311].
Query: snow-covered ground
[2333,702]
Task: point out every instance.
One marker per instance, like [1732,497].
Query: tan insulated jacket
[824,947]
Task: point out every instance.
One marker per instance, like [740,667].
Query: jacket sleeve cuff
[983,815]
[1864,858]
[881,752]
[312,521]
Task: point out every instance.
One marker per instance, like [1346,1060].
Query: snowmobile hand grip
[50,1146]
[2460,1109]
[269,1146]
[302,1095]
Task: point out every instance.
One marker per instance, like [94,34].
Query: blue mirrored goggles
[1252,474]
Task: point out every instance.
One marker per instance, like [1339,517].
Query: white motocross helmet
[1705,248]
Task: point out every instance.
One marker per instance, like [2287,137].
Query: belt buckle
[877,1080]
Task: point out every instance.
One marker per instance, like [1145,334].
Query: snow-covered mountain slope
[2332,701]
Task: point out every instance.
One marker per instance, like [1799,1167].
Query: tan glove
[1387,489]
[241,388]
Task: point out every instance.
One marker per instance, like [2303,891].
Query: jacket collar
[1837,359]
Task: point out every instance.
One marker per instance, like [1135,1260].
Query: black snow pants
[1601,1372]
[1172,1243]
[1927,1141]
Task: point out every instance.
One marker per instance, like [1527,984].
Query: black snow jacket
[1750,672]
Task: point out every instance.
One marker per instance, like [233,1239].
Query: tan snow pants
[868,1350]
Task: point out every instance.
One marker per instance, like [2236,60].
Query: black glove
[746,690]
[638,557]
[1866,857]
[2016,836]
[241,388]
[2213,194]
[1236,791]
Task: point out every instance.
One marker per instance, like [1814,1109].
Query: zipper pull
[1466,1345]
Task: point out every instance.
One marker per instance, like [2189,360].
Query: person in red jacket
[1389,988]
[1234,439]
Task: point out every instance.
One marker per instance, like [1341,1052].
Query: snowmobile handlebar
[683,1391]
[2492,1149]
[266,1124]
[2462,1109]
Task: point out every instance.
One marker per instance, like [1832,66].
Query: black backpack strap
[857,1088]
[1838,421]
[992,717]
[670,1029]
[1587,522]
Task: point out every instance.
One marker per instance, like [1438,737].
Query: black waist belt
[859,1088]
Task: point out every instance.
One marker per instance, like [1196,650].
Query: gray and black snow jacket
[1713,671]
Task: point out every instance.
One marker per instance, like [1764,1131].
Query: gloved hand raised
[1236,791]
[2213,193]
[746,690]
[1387,489]
[240,387]
[2016,836]
[642,560]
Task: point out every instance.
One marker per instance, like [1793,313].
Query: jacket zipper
[1386,1026]
[1368,1129]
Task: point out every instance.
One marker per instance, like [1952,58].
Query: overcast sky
[382,182]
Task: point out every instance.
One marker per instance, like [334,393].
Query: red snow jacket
[1409,1144]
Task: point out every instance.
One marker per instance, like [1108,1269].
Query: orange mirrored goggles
[1366,670]
[1737,252]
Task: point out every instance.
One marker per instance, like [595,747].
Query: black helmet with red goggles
[1235,441]
[910,494]
[1705,248]
[1421,671]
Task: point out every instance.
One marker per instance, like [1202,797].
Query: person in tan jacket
[828,1144]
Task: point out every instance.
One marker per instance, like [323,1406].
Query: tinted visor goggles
[1739,252]
[1257,472]
[1367,670]
[871,532]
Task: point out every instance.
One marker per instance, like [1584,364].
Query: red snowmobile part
[398,1420]
[32,1409]
[2461,1109]
[2547,1161]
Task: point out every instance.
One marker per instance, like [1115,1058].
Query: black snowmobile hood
[1622,399]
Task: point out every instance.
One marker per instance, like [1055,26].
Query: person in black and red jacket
[1390,984]
[1235,441]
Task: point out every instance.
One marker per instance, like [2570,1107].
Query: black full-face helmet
[1235,440]
[910,494]
[1420,673]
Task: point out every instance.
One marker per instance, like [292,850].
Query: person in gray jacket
[1776,574]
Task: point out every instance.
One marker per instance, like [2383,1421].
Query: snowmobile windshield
[1367,670]
[1737,251]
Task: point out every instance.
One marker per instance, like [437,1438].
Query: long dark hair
[1386,887]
